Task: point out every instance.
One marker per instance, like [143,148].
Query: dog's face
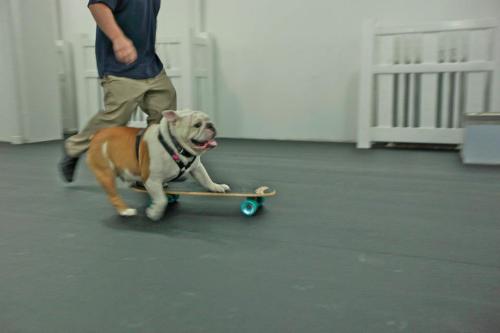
[193,129]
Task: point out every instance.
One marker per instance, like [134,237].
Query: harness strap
[177,145]
[182,167]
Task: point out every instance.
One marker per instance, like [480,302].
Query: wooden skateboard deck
[254,196]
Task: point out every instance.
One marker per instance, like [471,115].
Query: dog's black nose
[211,127]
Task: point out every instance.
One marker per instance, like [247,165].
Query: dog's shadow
[190,218]
[188,221]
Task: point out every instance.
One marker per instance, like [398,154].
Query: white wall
[29,93]
[8,93]
[288,69]
[37,69]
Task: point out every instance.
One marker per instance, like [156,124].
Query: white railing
[66,85]
[188,61]
[417,82]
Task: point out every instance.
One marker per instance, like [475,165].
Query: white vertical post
[412,59]
[445,101]
[196,16]
[495,84]
[187,69]
[62,74]
[457,115]
[366,88]
[411,100]
[81,89]
[400,78]
[7,53]
[211,76]
[400,106]
[428,94]
[477,82]
[385,83]
[15,19]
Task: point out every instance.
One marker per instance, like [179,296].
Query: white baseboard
[43,139]
[16,140]
[71,130]
[19,140]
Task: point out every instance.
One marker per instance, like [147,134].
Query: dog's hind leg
[106,177]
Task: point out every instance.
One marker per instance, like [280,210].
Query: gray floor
[356,241]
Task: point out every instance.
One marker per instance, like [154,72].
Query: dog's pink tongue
[211,144]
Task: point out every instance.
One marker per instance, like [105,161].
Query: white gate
[188,61]
[418,81]
[67,86]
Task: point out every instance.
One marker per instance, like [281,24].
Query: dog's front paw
[220,188]
[155,213]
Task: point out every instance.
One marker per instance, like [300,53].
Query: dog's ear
[171,116]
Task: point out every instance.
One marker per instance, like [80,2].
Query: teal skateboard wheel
[249,207]
[172,198]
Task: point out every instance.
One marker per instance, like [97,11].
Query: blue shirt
[137,19]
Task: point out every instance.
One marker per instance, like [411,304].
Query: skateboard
[253,197]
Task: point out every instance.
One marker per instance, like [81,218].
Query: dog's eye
[197,125]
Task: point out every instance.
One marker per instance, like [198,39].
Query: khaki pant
[122,96]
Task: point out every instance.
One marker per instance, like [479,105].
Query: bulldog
[162,153]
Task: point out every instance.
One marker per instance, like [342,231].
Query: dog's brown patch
[111,153]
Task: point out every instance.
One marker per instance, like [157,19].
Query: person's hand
[125,51]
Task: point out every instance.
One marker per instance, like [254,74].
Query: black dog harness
[183,167]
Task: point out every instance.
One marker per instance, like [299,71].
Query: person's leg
[160,96]
[121,98]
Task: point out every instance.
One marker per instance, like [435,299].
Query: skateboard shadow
[84,188]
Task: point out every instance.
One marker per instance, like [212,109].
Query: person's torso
[137,19]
